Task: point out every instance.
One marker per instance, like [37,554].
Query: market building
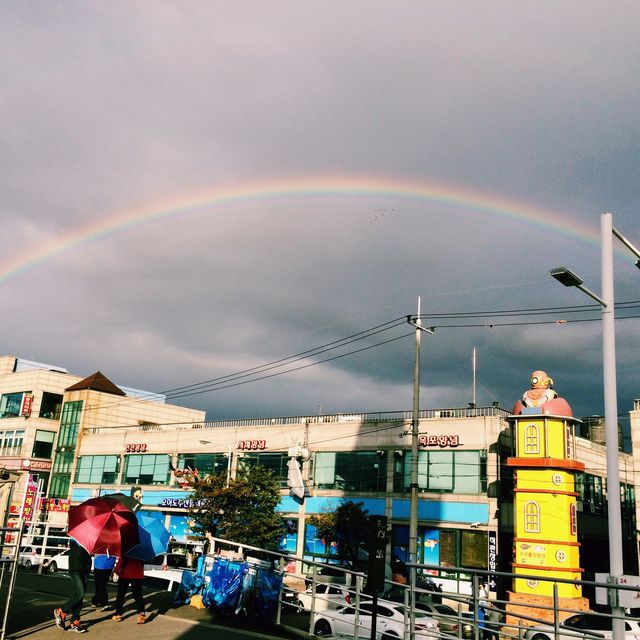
[466,488]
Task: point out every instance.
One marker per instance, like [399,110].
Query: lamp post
[570,279]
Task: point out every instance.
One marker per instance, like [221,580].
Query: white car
[448,618]
[31,557]
[328,596]
[391,619]
[583,625]
[59,562]
[167,566]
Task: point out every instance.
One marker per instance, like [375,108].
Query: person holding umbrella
[103,564]
[79,570]
[130,571]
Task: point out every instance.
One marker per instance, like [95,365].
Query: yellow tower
[545,540]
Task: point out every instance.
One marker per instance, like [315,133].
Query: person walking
[79,571]
[102,567]
[483,596]
[129,571]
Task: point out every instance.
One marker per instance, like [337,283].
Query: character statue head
[540,380]
[541,398]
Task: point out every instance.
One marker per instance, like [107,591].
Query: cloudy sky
[237,193]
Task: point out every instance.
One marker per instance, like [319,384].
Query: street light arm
[626,242]
[591,294]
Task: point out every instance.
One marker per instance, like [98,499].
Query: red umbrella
[103,525]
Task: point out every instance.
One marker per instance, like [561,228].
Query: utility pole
[415,421]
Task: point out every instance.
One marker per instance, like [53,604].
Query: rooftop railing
[345,418]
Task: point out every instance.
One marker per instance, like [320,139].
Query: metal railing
[343,418]
[506,615]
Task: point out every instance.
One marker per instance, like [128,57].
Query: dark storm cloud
[116,107]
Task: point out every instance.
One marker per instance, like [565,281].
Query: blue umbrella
[154,538]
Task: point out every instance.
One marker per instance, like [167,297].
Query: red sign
[27,402]
[29,504]
[251,444]
[57,504]
[135,448]
[439,441]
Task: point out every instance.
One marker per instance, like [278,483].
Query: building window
[474,549]
[443,472]
[97,469]
[10,404]
[275,462]
[11,442]
[146,469]
[568,444]
[51,406]
[43,444]
[532,517]
[351,470]
[205,463]
[531,439]
[69,424]
[61,474]
[573,519]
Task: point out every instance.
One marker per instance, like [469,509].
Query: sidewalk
[35,597]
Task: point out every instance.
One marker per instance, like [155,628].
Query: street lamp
[570,279]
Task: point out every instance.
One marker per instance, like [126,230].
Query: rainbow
[451,196]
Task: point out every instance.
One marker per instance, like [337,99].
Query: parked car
[167,566]
[448,618]
[582,625]
[60,562]
[328,596]
[31,557]
[390,622]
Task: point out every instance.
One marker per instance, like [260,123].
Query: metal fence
[335,599]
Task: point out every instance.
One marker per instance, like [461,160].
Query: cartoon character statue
[541,398]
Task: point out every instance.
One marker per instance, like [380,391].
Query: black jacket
[79,558]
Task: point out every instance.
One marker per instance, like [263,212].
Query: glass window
[351,470]
[532,517]
[205,463]
[439,471]
[97,469]
[146,469]
[276,462]
[69,424]
[531,439]
[442,471]
[43,444]
[11,442]
[61,474]
[10,404]
[51,406]
[474,549]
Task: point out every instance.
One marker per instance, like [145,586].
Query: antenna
[473,366]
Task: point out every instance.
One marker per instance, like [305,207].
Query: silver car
[583,625]
[391,619]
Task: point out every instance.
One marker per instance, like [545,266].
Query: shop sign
[181,503]
[439,441]
[27,403]
[136,448]
[59,505]
[42,465]
[246,445]
[532,554]
[29,504]
[493,558]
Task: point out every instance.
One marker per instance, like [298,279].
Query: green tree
[243,512]
[347,526]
